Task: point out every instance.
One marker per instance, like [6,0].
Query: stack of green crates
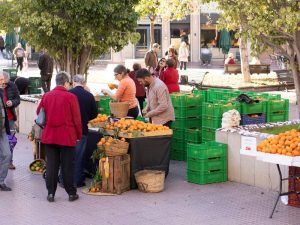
[35,84]
[103,105]
[187,108]
[212,117]
[207,163]
[12,72]
[216,94]
[277,110]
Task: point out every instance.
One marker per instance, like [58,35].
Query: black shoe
[73,197]
[3,187]
[50,198]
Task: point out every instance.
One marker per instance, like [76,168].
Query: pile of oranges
[130,126]
[99,118]
[286,143]
[107,141]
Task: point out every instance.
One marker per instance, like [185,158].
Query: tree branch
[274,46]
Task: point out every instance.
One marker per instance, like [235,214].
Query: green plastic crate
[182,123]
[12,72]
[260,107]
[179,133]
[211,122]
[103,102]
[178,144]
[104,110]
[35,82]
[274,96]
[198,177]
[183,112]
[208,134]
[186,100]
[277,105]
[178,155]
[202,93]
[210,164]
[33,91]
[217,109]
[193,135]
[278,116]
[206,150]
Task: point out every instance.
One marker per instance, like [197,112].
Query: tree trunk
[152,39]
[244,60]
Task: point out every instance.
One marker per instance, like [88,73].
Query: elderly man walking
[5,154]
[61,133]
[151,58]
[11,98]
[88,111]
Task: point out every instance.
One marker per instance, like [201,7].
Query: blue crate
[247,119]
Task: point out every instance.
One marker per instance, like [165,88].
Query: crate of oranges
[99,121]
[287,143]
[134,128]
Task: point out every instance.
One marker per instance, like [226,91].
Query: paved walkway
[181,203]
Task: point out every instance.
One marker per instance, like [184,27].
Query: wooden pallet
[118,180]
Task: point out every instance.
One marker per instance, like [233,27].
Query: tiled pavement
[181,203]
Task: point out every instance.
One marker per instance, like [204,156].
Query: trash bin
[12,72]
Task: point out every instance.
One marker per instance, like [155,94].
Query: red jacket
[140,89]
[63,120]
[170,77]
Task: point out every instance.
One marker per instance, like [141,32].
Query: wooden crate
[293,200]
[118,180]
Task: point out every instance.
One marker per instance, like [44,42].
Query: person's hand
[144,111]
[146,115]
[106,92]
[9,103]
[112,86]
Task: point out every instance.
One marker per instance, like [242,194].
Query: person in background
[45,64]
[22,84]
[126,90]
[159,106]
[172,55]
[161,67]
[61,133]
[151,58]
[88,111]
[2,44]
[255,61]
[183,55]
[11,99]
[170,77]
[140,89]
[230,59]
[19,54]
[5,153]
[173,47]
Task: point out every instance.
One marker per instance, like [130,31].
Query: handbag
[41,118]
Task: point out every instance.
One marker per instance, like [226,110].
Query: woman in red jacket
[170,76]
[62,131]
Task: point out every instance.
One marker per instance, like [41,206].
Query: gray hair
[78,78]
[61,78]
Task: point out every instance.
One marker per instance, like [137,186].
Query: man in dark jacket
[88,111]
[22,84]
[11,98]
[46,66]
[151,58]
[4,145]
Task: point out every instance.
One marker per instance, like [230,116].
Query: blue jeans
[79,160]
[5,156]
[11,127]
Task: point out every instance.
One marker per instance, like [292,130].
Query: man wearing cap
[151,59]
[88,111]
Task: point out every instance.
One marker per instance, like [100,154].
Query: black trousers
[20,63]
[141,100]
[57,155]
[183,64]
[134,112]
[46,82]
[168,124]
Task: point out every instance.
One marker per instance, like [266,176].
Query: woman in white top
[183,55]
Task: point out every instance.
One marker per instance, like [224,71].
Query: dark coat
[6,119]
[45,65]
[87,104]
[151,60]
[63,122]
[13,95]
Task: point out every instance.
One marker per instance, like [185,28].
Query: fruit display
[37,166]
[287,143]
[99,121]
[107,141]
[135,128]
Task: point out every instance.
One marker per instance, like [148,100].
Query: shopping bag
[41,118]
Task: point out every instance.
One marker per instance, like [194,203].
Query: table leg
[280,189]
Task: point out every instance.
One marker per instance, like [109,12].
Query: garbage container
[12,72]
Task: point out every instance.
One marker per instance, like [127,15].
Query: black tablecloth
[148,153]
[145,153]
[92,140]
